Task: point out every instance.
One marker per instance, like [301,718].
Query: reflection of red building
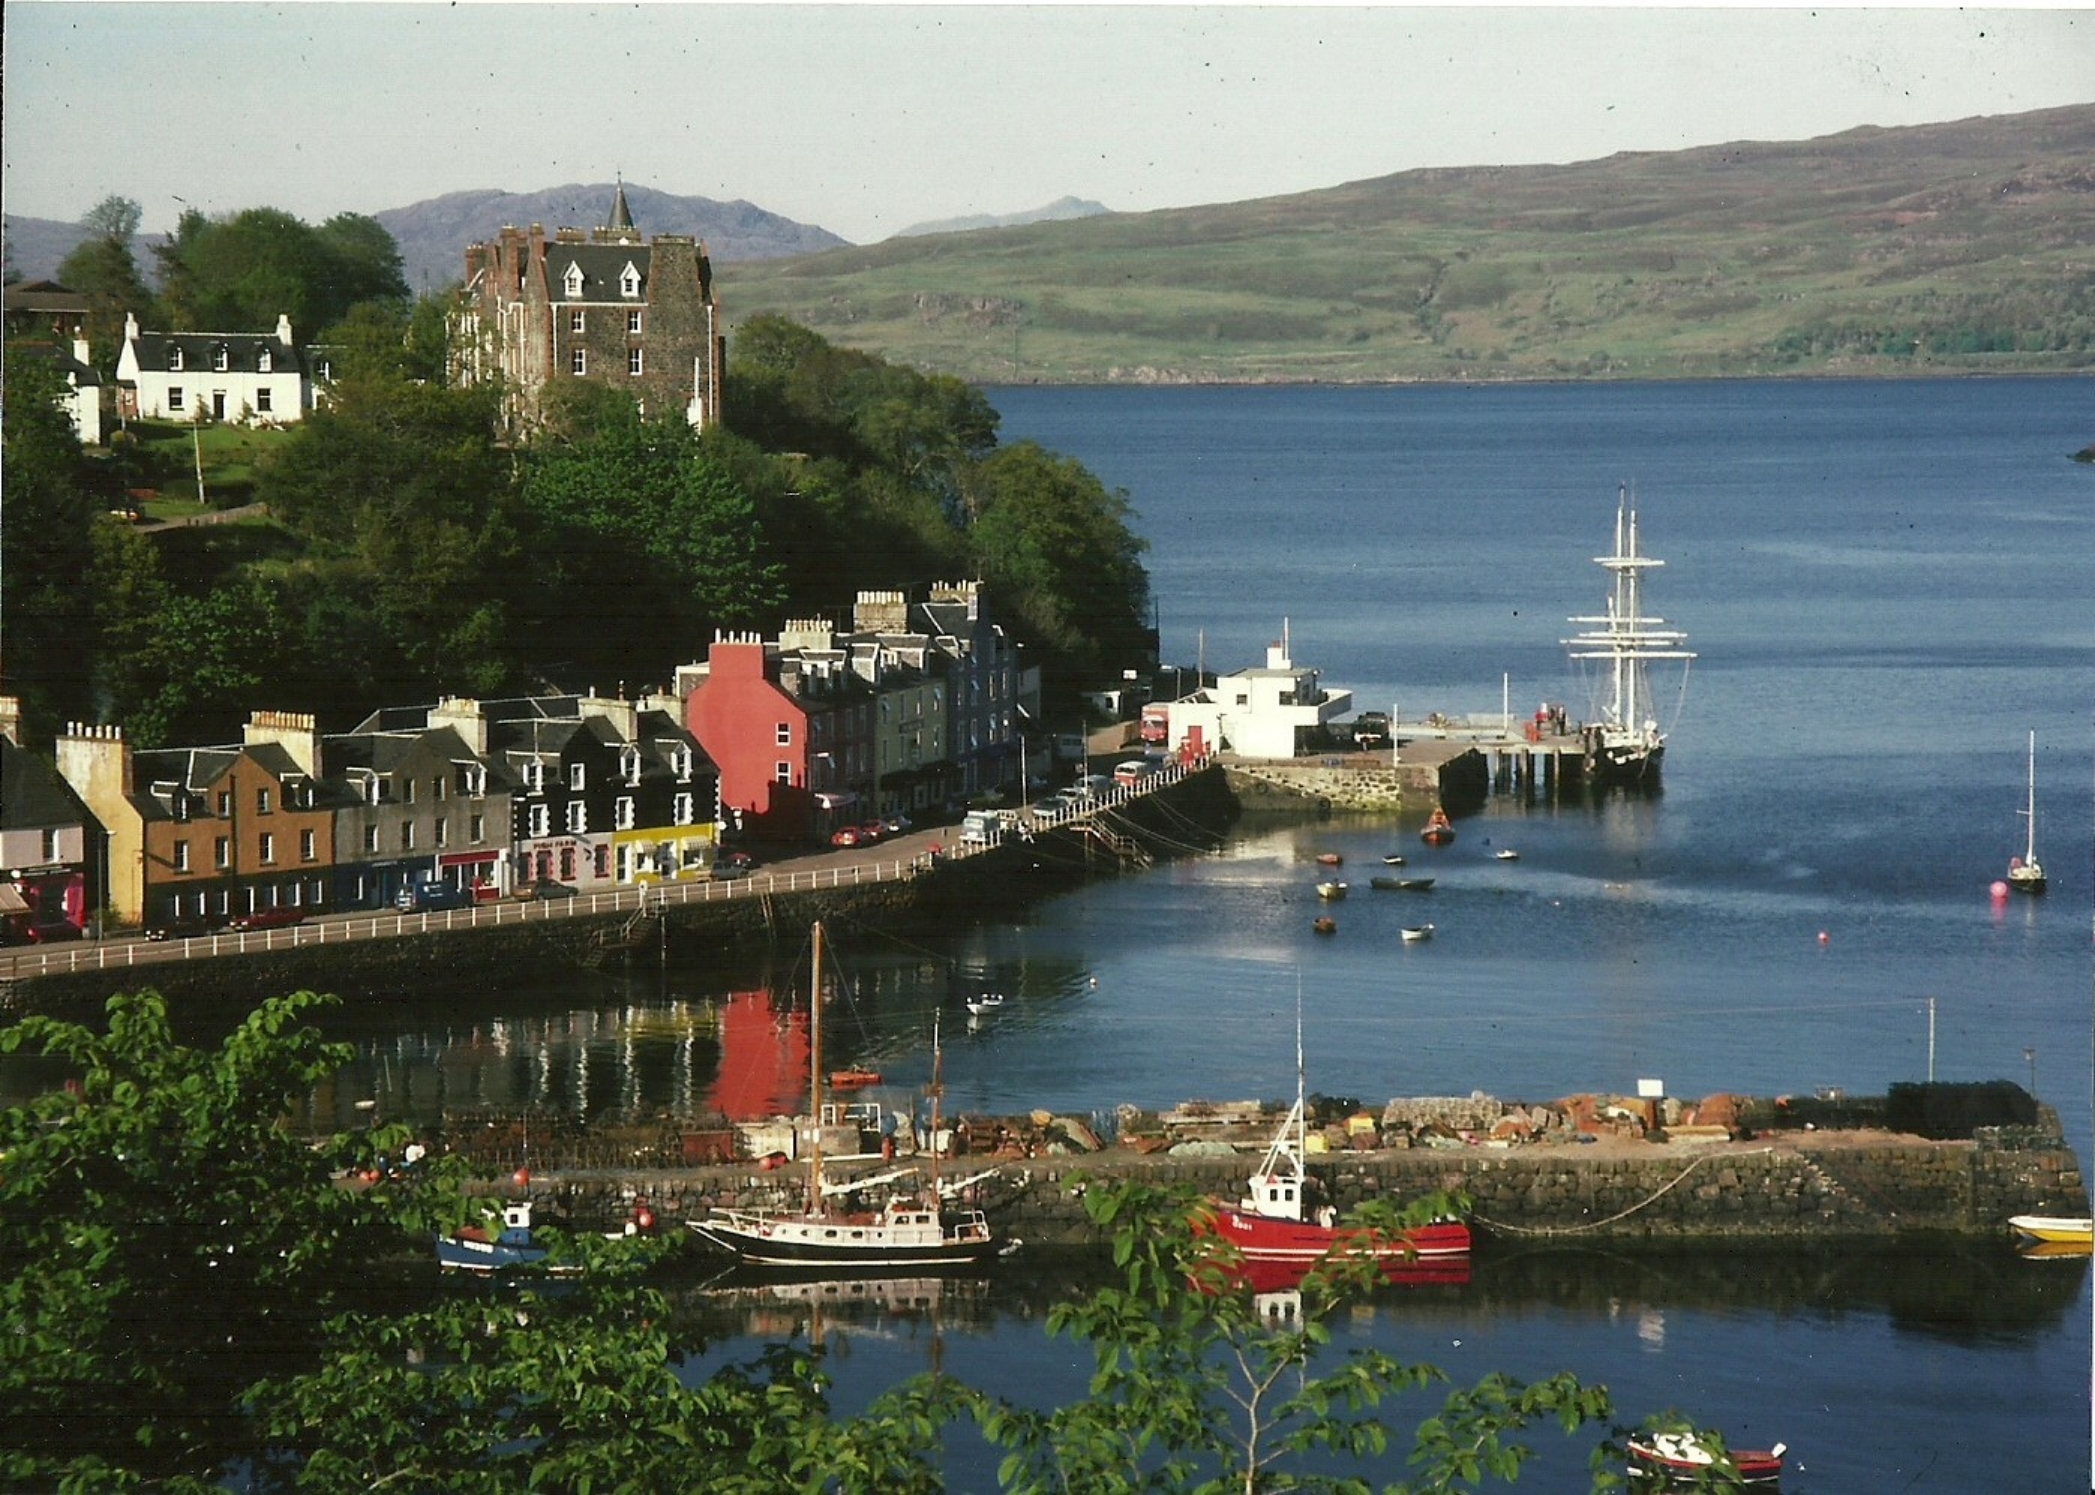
[763,1059]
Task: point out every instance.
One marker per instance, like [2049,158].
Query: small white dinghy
[1417,933]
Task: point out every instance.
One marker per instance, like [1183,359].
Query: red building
[791,733]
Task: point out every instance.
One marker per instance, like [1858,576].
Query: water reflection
[688,1042]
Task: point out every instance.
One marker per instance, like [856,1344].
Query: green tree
[158,1181]
[407,505]
[241,271]
[46,547]
[103,269]
[1059,543]
[643,501]
[1194,1390]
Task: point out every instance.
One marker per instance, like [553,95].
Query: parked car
[871,831]
[1133,771]
[733,864]
[544,887]
[847,835]
[185,929]
[269,918]
[896,824]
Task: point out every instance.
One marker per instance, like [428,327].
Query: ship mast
[2029,854]
[814,1077]
[1626,637]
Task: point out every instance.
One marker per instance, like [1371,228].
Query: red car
[871,831]
[847,836]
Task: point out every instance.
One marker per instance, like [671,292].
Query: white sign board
[1651,1089]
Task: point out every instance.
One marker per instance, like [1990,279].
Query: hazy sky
[864,119]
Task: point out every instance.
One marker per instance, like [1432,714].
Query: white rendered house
[259,376]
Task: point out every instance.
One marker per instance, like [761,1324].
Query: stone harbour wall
[1824,1186]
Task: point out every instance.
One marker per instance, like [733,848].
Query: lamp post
[2030,1055]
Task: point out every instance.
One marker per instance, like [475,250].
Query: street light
[2030,1054]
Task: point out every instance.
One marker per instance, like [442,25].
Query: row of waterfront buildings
[922,703]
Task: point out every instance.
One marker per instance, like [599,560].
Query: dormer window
[629,282]
[571,283]
[221,360]
[629,764]
[174,360]
[535,777]
[265,362]
[680,762]
[324,369]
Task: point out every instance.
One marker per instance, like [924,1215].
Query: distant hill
[1938,248]
[1059,211]
[433,234]
[37,246]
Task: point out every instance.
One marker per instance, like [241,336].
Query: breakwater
[1798,1187]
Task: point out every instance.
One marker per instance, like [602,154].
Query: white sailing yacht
[1626,744]
[2025,874]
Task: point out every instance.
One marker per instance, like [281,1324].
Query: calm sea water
[1890,584]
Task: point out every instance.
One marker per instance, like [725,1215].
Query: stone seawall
[1188,815]
[1357,782]
[1817,1187]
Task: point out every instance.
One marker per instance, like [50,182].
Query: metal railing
[125,951]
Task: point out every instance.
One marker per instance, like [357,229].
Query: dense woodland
[407,550]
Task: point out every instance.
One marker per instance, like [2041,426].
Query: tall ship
[1626,745]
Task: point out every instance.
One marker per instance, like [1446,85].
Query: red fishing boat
[1439,829]
[1278,1221]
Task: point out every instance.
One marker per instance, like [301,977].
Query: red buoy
[521,1178]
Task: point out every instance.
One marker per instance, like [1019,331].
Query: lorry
[985,827]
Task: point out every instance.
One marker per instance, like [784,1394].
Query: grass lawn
[229,453]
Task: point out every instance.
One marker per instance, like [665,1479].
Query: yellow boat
[2055,1230]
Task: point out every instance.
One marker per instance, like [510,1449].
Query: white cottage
[259,376]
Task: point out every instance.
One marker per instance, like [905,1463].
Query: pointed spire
[621,215]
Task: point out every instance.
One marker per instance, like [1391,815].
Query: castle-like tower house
[637,315]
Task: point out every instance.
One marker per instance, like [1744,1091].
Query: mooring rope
[1619,1214]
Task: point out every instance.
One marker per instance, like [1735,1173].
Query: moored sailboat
[2025,873]
[1626,745]
[904,1232]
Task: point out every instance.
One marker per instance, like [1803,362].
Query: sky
[864,119]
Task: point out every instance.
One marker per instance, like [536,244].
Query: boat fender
[643,1219]
[521,1178]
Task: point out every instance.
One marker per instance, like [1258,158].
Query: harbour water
[1888,585]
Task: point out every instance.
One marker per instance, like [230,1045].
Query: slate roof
[32,795]
[601,266]
[242,352]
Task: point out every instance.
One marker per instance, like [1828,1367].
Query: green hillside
[1939,248]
